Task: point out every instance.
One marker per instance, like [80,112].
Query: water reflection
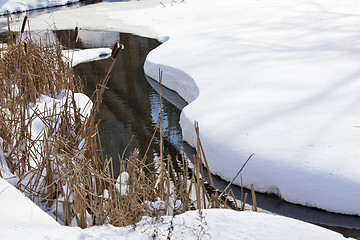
[130,106]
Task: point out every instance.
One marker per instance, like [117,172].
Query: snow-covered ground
[274,78]
[22,219]
[279,79]
[24,5]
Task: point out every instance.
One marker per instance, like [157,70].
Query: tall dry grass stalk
[61,167]
[58,166]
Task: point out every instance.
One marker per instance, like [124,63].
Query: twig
[223,193]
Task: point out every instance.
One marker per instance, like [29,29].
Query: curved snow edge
[174,79]
[182,83]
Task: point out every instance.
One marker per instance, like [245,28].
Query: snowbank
[279,79]
[274,78]
[24,5]
[211,224]
[229,224]
[17,209]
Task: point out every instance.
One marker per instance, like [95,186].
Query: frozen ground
[21,219]
[273,78]
[23,5]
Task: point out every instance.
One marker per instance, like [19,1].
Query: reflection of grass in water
[130,106]
[62,169]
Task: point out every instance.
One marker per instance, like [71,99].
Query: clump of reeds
[35,68]
[58,166]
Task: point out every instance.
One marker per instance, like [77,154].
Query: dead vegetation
[61,167]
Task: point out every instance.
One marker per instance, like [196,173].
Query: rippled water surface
[130,107]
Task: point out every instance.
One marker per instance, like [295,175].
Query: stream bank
[131,107]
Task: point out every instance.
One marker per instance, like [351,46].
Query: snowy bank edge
[209,223]
[182,83]
[140,30]
[28,5]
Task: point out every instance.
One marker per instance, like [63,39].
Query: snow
[5,172]
[228,224]
[76,57]
[24,5]
[22,219]
[274,78]
[122,183]
[16,208]
[88,40]
[49,108]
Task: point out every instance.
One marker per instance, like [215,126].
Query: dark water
[131,107]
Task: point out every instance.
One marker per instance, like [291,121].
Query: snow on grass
[22,219]
[210,224]
[47,107]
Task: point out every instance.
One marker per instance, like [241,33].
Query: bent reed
[62,168]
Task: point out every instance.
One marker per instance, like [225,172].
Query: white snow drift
[22,219]
[24,5]
[276,78]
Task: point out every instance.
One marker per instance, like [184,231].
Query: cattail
[24,24]
[121,47]
[8,19]
[115,48]
[25,47]
[76,36]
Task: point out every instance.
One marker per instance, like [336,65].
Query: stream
[130,110]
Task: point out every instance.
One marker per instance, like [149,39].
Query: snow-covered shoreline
[25,5]
[278,82]
[22,219]
[233,123]
[273,78]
